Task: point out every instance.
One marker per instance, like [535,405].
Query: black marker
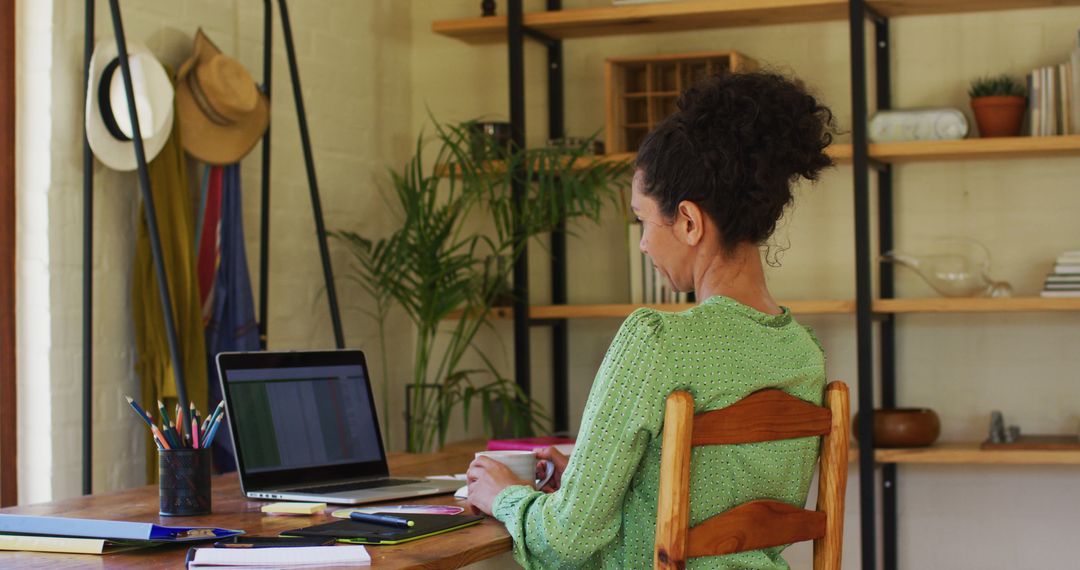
[386,520]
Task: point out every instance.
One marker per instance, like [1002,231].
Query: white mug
[522,464]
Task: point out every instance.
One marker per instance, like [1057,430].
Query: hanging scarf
[230,326]
[176,226]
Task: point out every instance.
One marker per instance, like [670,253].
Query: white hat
[108,120]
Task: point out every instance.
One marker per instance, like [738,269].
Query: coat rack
[151,218]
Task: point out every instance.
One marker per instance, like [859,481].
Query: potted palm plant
[998,103]
[441,262]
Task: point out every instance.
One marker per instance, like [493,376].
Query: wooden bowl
[903,427]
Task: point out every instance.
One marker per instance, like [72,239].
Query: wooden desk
[232,510]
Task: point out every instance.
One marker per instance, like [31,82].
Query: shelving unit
[871,309]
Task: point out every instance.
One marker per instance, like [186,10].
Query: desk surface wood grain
[232,510]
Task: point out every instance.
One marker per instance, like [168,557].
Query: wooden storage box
[641,91]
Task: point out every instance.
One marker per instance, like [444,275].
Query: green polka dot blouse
[604,516]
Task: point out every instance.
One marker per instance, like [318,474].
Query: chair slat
[673,510]
[834,462]
[767,415]
[754,525]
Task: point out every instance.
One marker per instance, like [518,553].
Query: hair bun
[734,146]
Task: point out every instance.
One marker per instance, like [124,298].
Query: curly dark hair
[734,147]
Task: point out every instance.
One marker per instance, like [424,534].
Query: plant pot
[903,427]
[999,116]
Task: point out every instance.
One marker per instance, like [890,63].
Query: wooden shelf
[970,454]
[828,307]
[648,18]
[977,149]
[705,14]
[966,149]
[976,305]
[897,8]
[621,311]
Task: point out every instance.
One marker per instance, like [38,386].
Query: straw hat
[222,113]
[108,120]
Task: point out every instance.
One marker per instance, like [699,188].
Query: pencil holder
[184,482]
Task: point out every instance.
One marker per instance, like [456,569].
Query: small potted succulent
[999,103]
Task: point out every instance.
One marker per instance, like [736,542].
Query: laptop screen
[301,417]
[290,418]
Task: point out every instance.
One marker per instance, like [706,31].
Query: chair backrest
[767,415]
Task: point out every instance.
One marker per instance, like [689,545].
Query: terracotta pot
[903,427]
[999,116]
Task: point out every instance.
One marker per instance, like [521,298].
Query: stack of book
[1065,280]
[647,286]
[91,536]
[1054,97]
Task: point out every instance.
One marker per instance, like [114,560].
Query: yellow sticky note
[293,508]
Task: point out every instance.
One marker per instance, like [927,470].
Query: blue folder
[112,530]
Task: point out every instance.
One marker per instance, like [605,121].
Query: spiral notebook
[355,532]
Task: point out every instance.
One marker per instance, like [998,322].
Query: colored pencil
[213,415]
[195,433]
[194,415]
[166,427]
[145,417]
[209,437]
[181,429]
[159,439]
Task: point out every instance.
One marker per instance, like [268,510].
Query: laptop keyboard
[355,486]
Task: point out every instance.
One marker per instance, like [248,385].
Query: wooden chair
[767,415]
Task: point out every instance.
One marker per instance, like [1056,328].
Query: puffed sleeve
[623,413]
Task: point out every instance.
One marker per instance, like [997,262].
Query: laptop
[304,428]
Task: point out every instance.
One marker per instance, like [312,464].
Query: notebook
[110,530]
[304,428]
[36,543]
[366,533]
[291,557]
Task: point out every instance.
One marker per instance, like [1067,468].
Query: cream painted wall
[963,366]
[354,64]
[371,72]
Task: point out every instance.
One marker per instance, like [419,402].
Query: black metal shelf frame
[516,33]
[859,13]
[151,218]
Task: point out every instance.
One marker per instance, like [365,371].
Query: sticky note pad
[293,508]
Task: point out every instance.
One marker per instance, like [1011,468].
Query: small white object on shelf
[918,125]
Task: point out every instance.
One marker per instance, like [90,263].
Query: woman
[711,182]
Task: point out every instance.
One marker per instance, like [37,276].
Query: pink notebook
[526,443]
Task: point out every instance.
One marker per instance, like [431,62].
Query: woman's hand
[486,479]
[557,459]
